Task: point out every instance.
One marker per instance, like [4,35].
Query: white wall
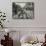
[38,21]
[37,24]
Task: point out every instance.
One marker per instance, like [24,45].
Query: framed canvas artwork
[23,10]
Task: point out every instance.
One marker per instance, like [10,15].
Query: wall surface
[25,26]
[37,24]
[39,13]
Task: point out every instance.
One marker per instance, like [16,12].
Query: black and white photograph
[23,10]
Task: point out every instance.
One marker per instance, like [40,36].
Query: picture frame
[23,10]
